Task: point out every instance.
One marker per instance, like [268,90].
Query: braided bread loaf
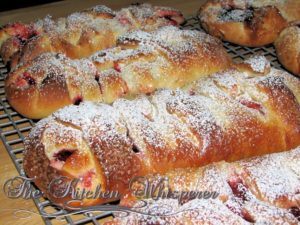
[248,111]
[83,33]
[249,23]
[141,63]
[262,190]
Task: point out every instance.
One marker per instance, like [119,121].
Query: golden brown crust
[141,63]
[290,9]
[19,30]
[252,24]
[9,48]
[261,190]
[83,33]
[288,49]
[229,116]
[12,38]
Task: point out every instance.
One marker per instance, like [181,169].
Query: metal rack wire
[14,127]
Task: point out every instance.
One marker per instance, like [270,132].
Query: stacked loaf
[140,63]
[250,110]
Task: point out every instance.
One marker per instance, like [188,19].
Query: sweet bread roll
[83,33]
[12,37]
[288,49]
[262,190]
[141,63]
[248,23]
[248,111]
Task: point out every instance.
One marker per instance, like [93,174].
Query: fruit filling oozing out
[238,188]
[296,212]
[174,17]
[240,193]
[21,32]
[79,165]
[25,80]
[77,100]
[249,103]
[252,105]
[117,67]
[124,21]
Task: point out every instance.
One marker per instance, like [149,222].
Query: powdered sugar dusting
[211,111]
[202,119]
[142,61]
[258,63]
[238,203]
[236,15]
[84,29]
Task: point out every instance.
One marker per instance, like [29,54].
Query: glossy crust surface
[262,190]
[141,63]
[248,111]
[248,23]
[288,49]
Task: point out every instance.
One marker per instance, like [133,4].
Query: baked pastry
[248,23]
[12,37]
[83,33]
[141,63]
[248,111]
[262,190]
[288,49]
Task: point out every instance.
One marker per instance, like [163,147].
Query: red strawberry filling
[117,67]
[21,31]
[246,216]
[192,92]
[64,154]
[97,76]
[172,22]
[238,188]
[235,208]
[166,12]
[239,191]
[77,100]
[16,42]
[124,21]
[174,17]
[252,105]
[21,83]
[25,80]
[296,212]
[87,179]
[60,157]
[29,78]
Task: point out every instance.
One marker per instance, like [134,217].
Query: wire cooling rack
[14,127]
